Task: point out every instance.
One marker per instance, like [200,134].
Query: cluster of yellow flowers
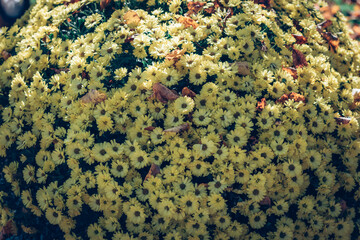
[263,145]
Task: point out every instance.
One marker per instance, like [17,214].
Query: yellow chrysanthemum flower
[184,105]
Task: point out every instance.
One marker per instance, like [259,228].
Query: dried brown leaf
[356,102]
[58,70]
[153,171]
[182,127]
[150,128]
[194,7]
[300,39]
[188,22]
[162,93]
[131,38]
[104,4]
[332,40]
[266,201]
[356,94]
[70,2]
[321,26]
[264,3]
[242,68]
[342,120]
[175,55]
[5,55]
[131,18]
[295,96]
[9,229]
[283,99]
[93,96]
[187,92]
[291,70]
[261,105]
[299,59]
[213,8]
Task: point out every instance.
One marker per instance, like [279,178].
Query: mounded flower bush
[179,120]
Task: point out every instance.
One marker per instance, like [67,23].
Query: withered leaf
[180,128]
[342,120]
[131,38]
[131,18]
[104,4]
[58,70]
[175,55]
[300,39]
[93,96]
[71,1]
[295,96]
[150,128]
[242,68]
[356,94]
[5,55]
[162,93]
[261,105]
[187,92]
[332,40]
[299,59]
[213,8]
[194,7]
[321,26]
[263,3]
[266,201]
[153,171]
[291,70]
[9,229]
[188,22]
[283,98]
